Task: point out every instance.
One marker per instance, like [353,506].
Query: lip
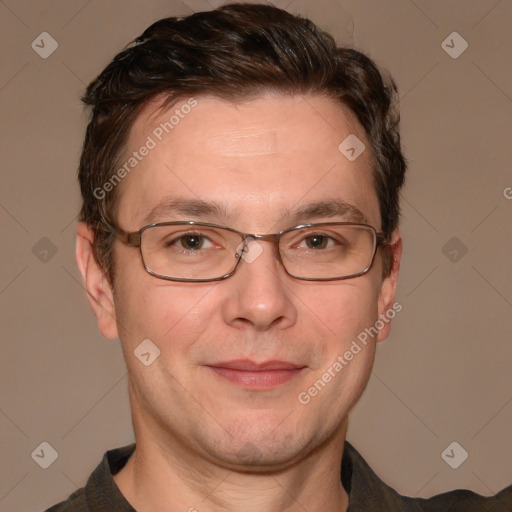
[251,375]
[252,366]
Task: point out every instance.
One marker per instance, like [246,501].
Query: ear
[96,283]
[386,306]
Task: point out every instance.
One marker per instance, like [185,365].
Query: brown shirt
[366,490]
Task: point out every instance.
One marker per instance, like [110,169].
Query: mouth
[256,376]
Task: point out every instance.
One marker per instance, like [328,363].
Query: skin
[258,158]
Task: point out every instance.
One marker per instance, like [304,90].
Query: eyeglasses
[200,252]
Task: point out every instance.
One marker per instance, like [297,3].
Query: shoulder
[77,502]
[463,500]
[368,492]
[101,493]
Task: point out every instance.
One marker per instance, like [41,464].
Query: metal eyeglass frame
[134,239]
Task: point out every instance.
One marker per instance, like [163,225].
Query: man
[239,234]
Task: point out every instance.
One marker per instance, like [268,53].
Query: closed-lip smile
[252,375]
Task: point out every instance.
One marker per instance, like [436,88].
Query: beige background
[445,373]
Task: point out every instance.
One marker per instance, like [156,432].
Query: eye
[190,242]
[318,241]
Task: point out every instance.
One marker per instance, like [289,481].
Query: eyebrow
[185,207]
[330,208]
[327,208]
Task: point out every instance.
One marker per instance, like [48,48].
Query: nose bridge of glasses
[251,247]
[272,238]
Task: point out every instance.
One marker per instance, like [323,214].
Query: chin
[254,448]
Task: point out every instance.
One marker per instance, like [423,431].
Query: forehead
[258,160]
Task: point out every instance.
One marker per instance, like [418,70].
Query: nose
[259,294]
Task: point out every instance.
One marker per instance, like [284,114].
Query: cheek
[344,308]
[147,307]
[349,309]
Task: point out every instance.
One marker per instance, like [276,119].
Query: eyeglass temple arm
[381,239]
[132,239]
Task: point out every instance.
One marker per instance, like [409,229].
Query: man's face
[258,160]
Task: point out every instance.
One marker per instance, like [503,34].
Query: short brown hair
[235,52]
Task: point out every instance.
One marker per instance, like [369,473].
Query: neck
[159,480]
[167,473]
